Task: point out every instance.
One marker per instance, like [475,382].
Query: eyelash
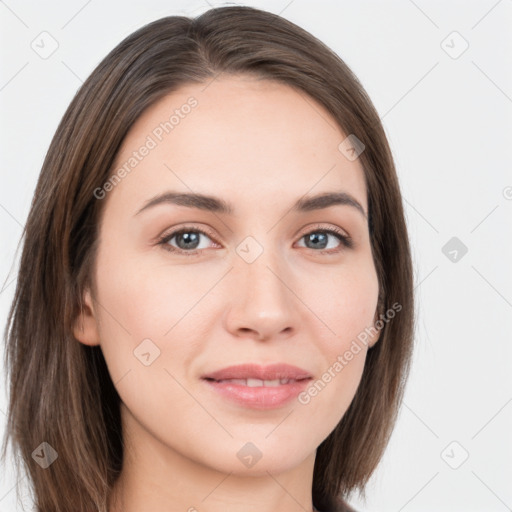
[346,241]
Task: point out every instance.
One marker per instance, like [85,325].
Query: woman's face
[263,284]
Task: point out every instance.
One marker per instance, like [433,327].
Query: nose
[263,303]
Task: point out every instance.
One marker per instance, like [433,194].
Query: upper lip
[255,371]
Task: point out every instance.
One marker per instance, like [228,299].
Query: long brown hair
[60,391]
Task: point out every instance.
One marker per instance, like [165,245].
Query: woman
[214,307]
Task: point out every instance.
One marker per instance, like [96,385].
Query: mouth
[258,387]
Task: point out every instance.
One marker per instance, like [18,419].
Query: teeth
[254,383]
[271,383]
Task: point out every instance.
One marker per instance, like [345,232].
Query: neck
[157,478]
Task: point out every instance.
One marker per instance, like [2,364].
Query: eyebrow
[217,205]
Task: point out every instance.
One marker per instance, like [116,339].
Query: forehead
[243,137]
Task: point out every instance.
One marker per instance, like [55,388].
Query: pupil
[314,238]
[189,238]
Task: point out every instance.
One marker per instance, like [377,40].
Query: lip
[226,383]
[255,371]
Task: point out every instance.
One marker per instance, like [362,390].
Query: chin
[258,456]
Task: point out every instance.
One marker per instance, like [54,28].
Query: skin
[253,143]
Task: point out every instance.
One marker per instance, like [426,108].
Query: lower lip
[260,397]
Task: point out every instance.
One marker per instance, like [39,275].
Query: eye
[318,239]
[188,240]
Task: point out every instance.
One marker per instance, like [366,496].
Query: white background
[448,121]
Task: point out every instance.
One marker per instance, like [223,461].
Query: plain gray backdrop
[440,76]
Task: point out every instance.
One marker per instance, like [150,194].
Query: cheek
[347,303]
[142,301]
[144,298]
[144,315]
[347,307]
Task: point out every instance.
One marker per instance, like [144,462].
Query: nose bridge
[261,301]
[259,266]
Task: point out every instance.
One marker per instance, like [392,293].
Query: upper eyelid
[177,231]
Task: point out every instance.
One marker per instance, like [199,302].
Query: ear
[375,337]
[85,328]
